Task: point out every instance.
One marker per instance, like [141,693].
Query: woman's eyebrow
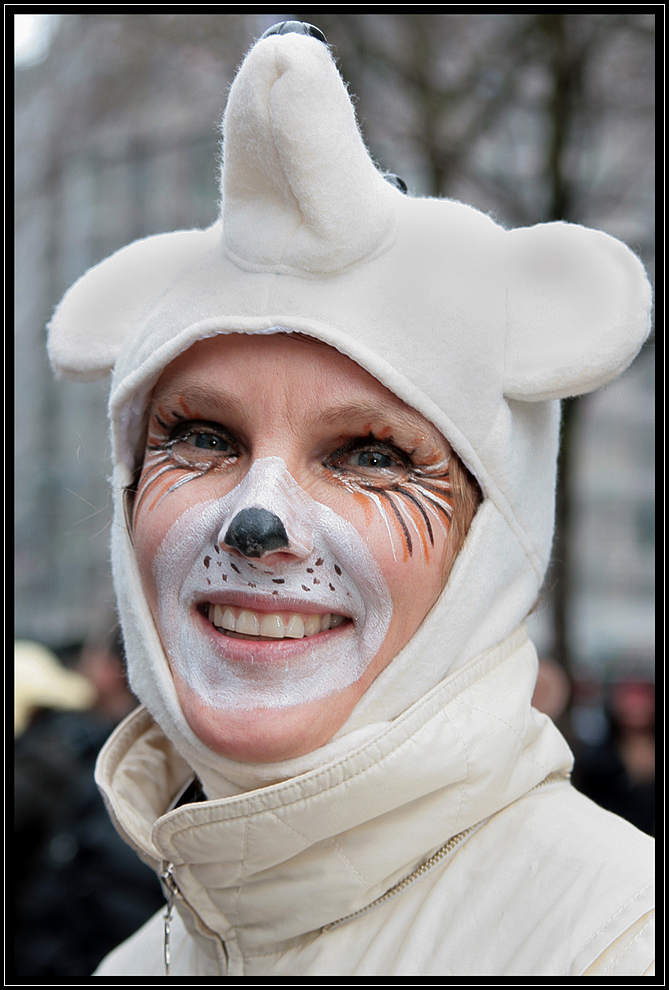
[373,415]
[201,399]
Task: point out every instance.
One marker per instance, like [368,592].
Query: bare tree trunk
[566,65]
[561,574]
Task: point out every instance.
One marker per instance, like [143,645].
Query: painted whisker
[441,518]
[179,483]
[154,472]
[417,523]
[443,491]
[382,512]
[446,509]
[398,515]
[411,498]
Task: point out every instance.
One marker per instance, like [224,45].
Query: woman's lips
[246,623]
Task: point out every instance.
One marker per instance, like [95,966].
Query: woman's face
[291,526]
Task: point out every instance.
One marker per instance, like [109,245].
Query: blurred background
[530,117]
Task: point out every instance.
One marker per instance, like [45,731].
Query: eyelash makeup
[159,461]
[423,491]
[410,504]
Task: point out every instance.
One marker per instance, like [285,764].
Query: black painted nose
[255,532]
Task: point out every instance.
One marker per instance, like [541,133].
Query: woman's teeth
[271,625]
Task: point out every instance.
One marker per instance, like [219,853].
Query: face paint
[326,570]
[409,505]
[160,462]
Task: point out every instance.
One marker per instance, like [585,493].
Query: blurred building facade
[117,138]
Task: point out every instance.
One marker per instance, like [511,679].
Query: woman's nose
[255,532]
[268,515]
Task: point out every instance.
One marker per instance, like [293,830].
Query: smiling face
[292,526]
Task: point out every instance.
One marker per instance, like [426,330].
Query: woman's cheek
[150,527]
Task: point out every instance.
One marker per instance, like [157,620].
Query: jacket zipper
[433,861]
[403,884]
[171,894]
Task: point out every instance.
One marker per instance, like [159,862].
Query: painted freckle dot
[316,581]
[278,581]
[207,561]
[331,587]
[235,569]
[310,570]
[337,569]
[319,562]
[304,588]
[224,577]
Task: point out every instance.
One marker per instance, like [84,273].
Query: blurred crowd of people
[79,889]
[611,729]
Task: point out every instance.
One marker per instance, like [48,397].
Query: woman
[335,435]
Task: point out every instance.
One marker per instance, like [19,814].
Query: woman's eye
[208,441]
[197,440]
[370,459]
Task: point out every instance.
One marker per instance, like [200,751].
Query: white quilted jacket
[451,844]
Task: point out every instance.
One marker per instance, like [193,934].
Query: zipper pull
[171,891]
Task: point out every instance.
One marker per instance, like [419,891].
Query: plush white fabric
[478,328]
[313,193]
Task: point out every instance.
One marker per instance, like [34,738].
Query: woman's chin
[267,735]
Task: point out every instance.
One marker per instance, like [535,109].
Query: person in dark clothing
[78,888]
[619,772]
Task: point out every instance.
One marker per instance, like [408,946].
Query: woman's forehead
[241,352]
[230,370]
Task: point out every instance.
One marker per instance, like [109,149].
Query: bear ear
[104,306]
[578,310]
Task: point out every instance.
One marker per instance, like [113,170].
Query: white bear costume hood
[480,329]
